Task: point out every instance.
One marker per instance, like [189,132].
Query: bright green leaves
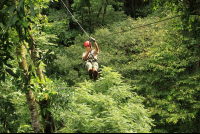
[24,24]
[43,89]
[107,105]
[17,12]
[168,80]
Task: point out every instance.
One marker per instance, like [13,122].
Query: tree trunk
[34,56]
[29,94]
[104,12]
[82,20]
[134,6]
[197,62]
[100,9]
[95,21]
[48,121]
[67,4]
[90,24]
[68,14]
[124,6]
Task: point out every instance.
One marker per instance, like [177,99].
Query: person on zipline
[90,58]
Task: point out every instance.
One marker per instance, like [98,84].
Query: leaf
[46,96]
[14,19]
[86,3]
[20,4]
[11,73]
[21,14]
[48,109]
[38,64]
[32,8]
[29,19]
[10,22]
[19,30]
[29,27]
[9,65]
[33,74]
[5,10]
[11,10]
[7,57]
[30,68]
[44,111]
[3,77]
[1,62]
[24,24]
[54,92]
[29,77]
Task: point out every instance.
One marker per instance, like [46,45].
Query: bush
[105,106]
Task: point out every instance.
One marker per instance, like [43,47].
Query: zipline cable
[75,19]
[155,22]
[131,28]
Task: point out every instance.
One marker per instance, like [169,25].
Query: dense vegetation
[149,66]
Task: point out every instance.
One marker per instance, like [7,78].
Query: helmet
[87,43]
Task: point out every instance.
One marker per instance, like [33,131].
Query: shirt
[91,55]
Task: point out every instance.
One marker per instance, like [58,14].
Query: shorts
[91,64]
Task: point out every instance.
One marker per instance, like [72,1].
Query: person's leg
[95,66]
[89,68]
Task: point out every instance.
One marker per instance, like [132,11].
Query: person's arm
[96,47]
[86,55]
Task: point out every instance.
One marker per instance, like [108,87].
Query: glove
[92,39]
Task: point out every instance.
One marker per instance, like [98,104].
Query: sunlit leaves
[108,105]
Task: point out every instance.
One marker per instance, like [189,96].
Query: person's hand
[92,39]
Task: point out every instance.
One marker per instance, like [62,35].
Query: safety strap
[90,59]
[90,56]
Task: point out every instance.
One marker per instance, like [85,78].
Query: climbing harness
[91,58]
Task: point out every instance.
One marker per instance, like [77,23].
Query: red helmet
[87,43]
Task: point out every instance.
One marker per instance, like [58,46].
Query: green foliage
[15,24]
[99,13]
[68,65]
[43,89]
[172,74]
[13,108]
[8,116]
[160,62]
[105,106]
[89,14]
[59,25]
